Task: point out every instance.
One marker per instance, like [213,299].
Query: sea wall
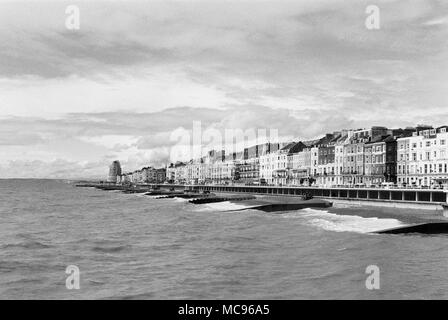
[428,207]
[426,199]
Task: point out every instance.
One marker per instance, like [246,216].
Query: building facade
[380,158]
[422,158]
[364,157]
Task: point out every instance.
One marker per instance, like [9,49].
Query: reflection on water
[138,247]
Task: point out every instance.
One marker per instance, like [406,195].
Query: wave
[110,249]
[222,206]
[26,245]
[137,296]
[95,282]
[139,195]
[344,223]
[150,196]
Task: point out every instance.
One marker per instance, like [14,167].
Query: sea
[133,246]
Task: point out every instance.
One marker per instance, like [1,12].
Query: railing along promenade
[383,194]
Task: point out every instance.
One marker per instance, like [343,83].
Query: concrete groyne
[212,199]
[283,205]
[423,228]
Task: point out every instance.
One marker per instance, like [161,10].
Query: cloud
[14,138]
[57,169]
[135,72]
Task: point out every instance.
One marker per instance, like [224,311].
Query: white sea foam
[151,196]
[343,223]
[222,206]
[139,194]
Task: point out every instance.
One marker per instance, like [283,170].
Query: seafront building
[249,170]
[380,157]
[248,164]
[423,158]
[114,172]
[197,171]
[372,157]
[271,162]
[143,176]
[326,160]
[299,164]
[176,173]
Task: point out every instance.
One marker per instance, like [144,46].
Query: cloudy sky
[71,101]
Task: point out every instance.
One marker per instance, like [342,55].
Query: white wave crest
[222,206]
[139,194]
[150,196]
[344,223]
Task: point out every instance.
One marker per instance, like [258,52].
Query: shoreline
[414,211]
[414,219]
[368,209]
[425,198]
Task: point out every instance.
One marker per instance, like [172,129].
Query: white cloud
[119,86]
[111,140]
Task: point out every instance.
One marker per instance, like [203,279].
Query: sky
[137,75]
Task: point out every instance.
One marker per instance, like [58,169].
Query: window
[442,142]
[428,143]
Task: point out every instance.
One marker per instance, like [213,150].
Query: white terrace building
[273,167]
[176,173]
[196,171]
[300,167]
[222,171]
[423,158]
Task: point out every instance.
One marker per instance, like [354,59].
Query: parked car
[387,185]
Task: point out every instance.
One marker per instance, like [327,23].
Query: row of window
[427,168]
[428,143]
[441,154]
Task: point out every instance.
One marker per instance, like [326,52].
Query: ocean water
[129,246]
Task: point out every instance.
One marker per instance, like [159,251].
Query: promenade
[397,197]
